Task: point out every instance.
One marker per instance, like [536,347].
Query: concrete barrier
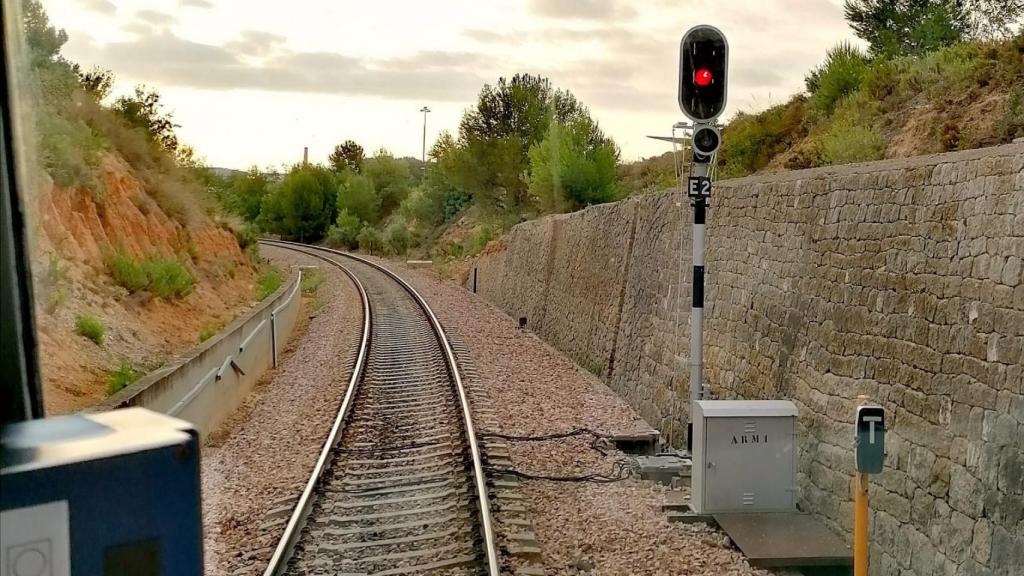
[208,383]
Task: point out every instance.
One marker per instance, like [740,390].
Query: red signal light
[702,77]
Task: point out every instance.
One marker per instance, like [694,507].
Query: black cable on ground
[587,478]
[545,437]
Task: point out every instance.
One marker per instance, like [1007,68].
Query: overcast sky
[253,81]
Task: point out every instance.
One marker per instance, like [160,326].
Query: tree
[398,236]
[43,40]
[490,159]
[302,206]
[347,156]
[915,27]
[357,196]
[391,180]
[570,170]
[246,192]
[370,239]
[97,82]
[993,18]
[144,110]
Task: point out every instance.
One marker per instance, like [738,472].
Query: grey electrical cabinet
[744,456]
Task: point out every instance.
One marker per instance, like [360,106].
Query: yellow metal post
[860,525]
[860,517]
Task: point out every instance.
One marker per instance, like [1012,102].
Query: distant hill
[225,172]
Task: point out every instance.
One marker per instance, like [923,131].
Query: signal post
[703,82]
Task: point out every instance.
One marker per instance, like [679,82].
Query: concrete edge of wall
[207,384]
[875,166]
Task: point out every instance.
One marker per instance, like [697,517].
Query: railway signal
[703,86]
[703,73]
[705,142]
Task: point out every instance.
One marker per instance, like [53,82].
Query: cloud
[581,9]
[256,43]
[155,18]
[101,6]
[164,58]
[195,3]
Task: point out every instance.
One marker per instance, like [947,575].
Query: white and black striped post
[698,189]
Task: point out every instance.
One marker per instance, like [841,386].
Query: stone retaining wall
[896,279]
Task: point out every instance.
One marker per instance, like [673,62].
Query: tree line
[524,149]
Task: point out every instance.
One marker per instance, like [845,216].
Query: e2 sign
[698,187]
[870,440]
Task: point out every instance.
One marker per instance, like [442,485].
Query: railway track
[398,487]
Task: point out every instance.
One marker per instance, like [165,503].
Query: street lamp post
[424,156]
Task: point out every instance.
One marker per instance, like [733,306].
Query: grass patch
[312,278]
[168,279]
[208,331]
[269,281]
[124,376]
[90,327]
[127,272]
[852,136]
[165,277]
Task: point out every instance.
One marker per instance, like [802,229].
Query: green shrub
[168,279]
[90,327]
[208,331]
[69,151]
[847,142]
[246,236]
[345,232]
[370,240]
[1013,117]
[164,277]
[311,281]
[398,236]
[945,73]
[124,376]
[750,141]
[269,281]
[842,73]
[478,241]
[127,272]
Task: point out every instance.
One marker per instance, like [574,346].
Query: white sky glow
[252,82]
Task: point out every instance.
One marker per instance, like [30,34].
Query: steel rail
[285,547]
[480,481]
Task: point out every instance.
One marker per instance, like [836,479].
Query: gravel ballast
[265,452]
[582,528]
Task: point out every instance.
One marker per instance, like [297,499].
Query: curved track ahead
[399,485]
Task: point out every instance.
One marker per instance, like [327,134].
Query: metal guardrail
[210,381]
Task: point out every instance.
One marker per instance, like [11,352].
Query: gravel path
[265,452]
[582,528]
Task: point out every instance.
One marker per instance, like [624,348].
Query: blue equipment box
[111,494]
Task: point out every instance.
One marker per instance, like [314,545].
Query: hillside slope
[965,96]
[77,236]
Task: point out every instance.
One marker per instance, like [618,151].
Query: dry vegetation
[968,95]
